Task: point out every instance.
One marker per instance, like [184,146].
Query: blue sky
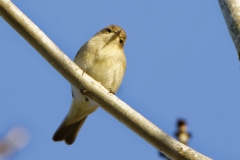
[181,63]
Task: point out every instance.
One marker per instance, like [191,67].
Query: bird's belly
[108,74]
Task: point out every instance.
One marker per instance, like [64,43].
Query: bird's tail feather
[68,133]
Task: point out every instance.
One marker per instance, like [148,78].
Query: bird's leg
[84,71]
[84,91]
[110,91]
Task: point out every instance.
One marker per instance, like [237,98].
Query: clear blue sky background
[181,63]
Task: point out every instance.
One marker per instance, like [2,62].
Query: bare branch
[231,13]
[109,102]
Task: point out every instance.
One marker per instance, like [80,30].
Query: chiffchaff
[102,57]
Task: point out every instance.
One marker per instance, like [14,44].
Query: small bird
[182,133]
[102,58]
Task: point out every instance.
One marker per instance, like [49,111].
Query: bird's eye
[121,41]
[108,30]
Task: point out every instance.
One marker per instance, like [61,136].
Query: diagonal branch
[109,102]
[231,14]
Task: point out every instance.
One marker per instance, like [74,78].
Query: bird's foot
[83,71]
[110,91]
[84,91]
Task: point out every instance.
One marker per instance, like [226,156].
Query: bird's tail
[69,132]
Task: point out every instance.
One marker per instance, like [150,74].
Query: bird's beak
[118,32]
